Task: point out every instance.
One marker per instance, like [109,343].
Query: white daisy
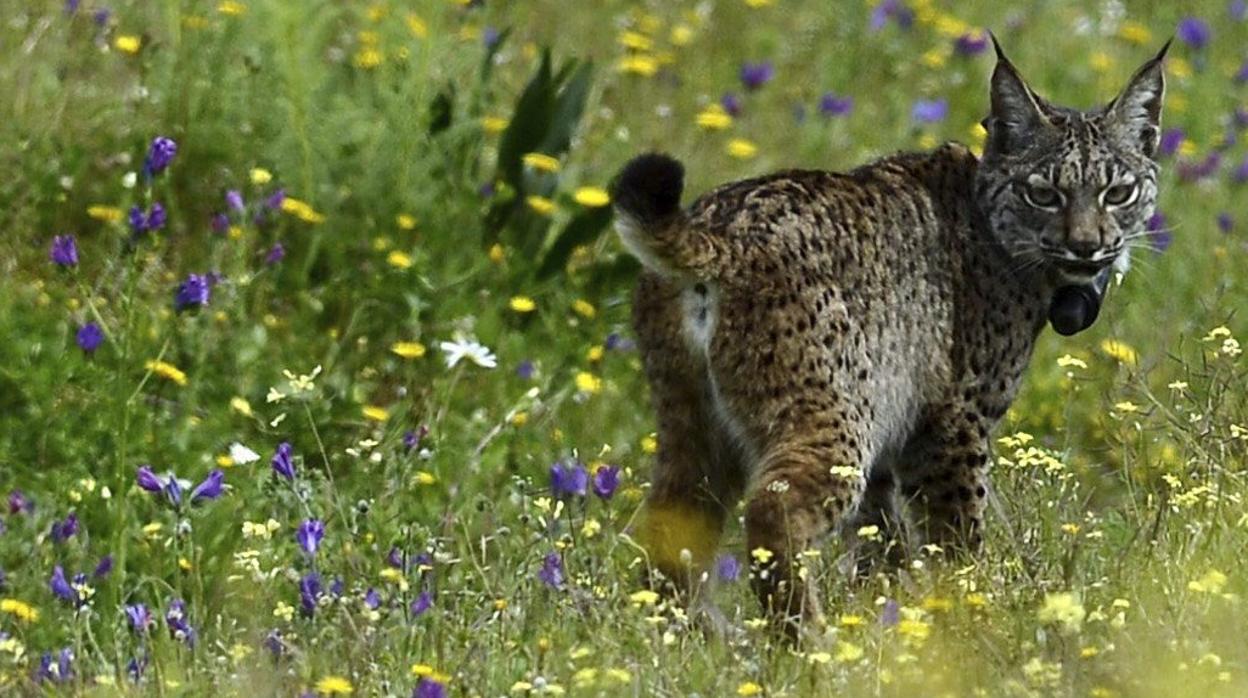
[470,349]
[242,455]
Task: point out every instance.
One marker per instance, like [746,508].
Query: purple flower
[220,223]
[1194,32]
[617,342]
[1242,74]
[156,217]
[140,618]
[412,439]
[372,599]
[336,587]
[731,103]
[19,503]
[891,614]
[569,479]
[551,572]
[138,222]
[1239,175]
[1171,139]
[148,480]
[136,667]
[930,111]
[64,530]
[490,37]
[100,16]
[895,10]
[209,488]
[727,568]
[59,670]
[71,6]
[428,688]
[1238,9]
[275,199]
[60,586]
[1225,223]
[179,623]
[309,592]
[89,337]
[173,491]
[1159,236]
[1196,171]
[606,480]
[396,558]
[276,254]
[755,75]
[282,462]
[971,43]
[159,155]
[309,536]
[103,568]
[192,293]
[153,219]
[64,251]
[525,370]
[832,105]
[274,644]
[423,602]
[234,199]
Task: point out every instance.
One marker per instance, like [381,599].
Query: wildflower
[309,592]
[551,573]
[234,199]
[749,688]
[522,304]
[895,10]
[727,568]
[334,686]
[192,293]
[58,672]
[241,455]
[568,479]
[210,488]
[423,602]
[587,382]
[1068,361]
[19,503]
[741,149]
[427,687]
[1211,582]
[20,610]
[300,209]
[275,254]
[375,413]
[470,349]
[282,462]
[606,480]
[64,251]
[591,197]
[891,614]
[64,530]
[128,43]
[755,75]
[408,350]
[153,219]
[159,154]
[60,586]
[1062,609]
[399,259]
[540,204]
[930,111]
[831,104]
[107,214]
[762,555]
[309,536]
[140,618]
[714,118]
[89,337]
[1194,32]
[541,162]
[1225,222]
[412,439]
[731,102]
[971,43]
[1119,351]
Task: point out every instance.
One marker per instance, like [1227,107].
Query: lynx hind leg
[697,477]
[875,535]
[944,481]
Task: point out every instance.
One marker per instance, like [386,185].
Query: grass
[1111,566]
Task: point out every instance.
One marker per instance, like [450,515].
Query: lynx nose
[1083,247]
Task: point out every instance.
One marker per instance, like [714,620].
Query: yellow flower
[714,118]
[522,304]
[494,124]
[417,26]
[240,406]
[649,444]
[230,7]
[1211,582]
[399,259]
[758,3]
[635,40]
[1068,361]
[1062,609]
[301,210]
[1120,351]
[584,308]
[405,221]
[914,629]
[587,382]
[749,688]
[368,58]
[334,685]
[541,162]
[497,254]
[741,149]
[424,477]
[1135,32]
[593,197]
[640,64]
[167,371]
[1179,68]
[762,555]
[682,34]
[1101,62]
[259,176]
[540,204]
[128,43]
[375,413]
[851,621]
[408,350]
[645,597]
[935,58]
[595,353]
[848,652]
[108,214]
[20,609]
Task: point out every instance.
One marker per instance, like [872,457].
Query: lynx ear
[1136,113]
[1017,112]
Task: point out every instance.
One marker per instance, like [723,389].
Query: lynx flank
[838,347]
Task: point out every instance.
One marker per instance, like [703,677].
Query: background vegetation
[409,216]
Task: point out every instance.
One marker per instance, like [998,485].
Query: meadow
[317,376]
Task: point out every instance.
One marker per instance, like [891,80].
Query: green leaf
[529,124]
[583,229]
[569,104]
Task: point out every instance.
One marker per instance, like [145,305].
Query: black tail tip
[649,187]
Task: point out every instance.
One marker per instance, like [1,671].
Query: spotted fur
[827,345]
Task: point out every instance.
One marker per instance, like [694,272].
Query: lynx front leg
[944,481]
[804,490]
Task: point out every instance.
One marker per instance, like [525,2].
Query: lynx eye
[1119,194]
[1039,193]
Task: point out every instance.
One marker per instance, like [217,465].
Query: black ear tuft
[649,187]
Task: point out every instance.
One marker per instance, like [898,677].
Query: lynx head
[1065,189]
